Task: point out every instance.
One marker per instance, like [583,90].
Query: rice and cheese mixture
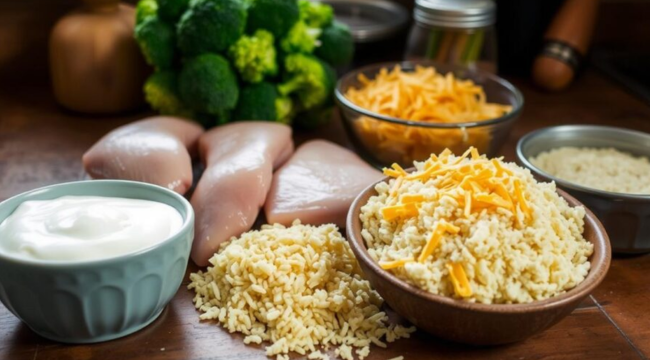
[476,229]
[298,288]
[604,169]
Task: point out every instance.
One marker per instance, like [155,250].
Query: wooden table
[42,144]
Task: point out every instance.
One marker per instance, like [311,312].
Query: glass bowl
[416,140]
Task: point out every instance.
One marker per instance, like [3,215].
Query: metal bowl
[625,216]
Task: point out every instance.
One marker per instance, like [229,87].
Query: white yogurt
[82,228]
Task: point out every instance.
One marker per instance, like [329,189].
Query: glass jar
[454,32]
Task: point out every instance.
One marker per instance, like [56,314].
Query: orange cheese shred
[388,265]
[459,280]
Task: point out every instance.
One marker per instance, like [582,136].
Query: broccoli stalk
[156,40]
[254,56]
[263,102]
[309,79]
[315,14]
[210,26]
[301,39]
[207,84]
[276,16]
[337,45]
[161,92]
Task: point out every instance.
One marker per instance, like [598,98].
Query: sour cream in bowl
[95,260]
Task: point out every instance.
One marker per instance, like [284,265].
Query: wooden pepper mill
[565,44]
[95,63]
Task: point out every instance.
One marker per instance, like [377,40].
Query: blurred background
[621,28]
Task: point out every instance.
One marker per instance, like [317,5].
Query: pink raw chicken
[156,150]
[240,160]
[317,185]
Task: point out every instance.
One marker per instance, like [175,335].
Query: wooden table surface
[41,144]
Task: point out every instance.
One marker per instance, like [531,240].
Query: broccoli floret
[315,14]
[263,102]
[161,92]
[208,84]
[254,56]
[276,16]
[156,40]
[301,39]
[336,45]
[171,10]
[314,118]
[211,26]
[145,9]
[309,79]
[211,120]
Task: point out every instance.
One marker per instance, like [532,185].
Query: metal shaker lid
[460,14]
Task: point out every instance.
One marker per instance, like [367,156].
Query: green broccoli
[309,79]
[263,102]
[208,84]
[315,14]
[276,16]
[210,120]
[161,92]
[300,39]
[145,9]
[254,56]
[211,26]
[156,40]
[171,10]
[336,45]
[314,118]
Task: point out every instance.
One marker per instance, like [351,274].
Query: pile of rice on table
[604,169]
[477,229]
[299,288]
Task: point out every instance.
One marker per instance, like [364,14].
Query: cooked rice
[531,251]
[298,288]
[605,169]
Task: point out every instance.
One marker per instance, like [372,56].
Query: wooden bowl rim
[600,262]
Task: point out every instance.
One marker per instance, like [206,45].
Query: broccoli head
[156,40]
[145,9]
[263,102]
[171,10]
[301,39]
[254,56]
[276,16]
[161,92]
[210,26]
[336,45]
[208,84]
[314,118]
[309,79]
[315,14]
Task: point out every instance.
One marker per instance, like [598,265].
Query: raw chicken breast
[317,185]
[156,150]
[240,159]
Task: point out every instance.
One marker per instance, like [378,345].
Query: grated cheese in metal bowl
[299,288]
[476,229]
[604,169]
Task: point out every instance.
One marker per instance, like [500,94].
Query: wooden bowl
[473,323]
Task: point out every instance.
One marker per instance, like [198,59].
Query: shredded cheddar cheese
[475,229]
[427,96]
[476,183]
[459,280]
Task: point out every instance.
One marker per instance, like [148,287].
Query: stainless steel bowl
[626,217]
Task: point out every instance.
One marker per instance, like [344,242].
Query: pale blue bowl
[101,300]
